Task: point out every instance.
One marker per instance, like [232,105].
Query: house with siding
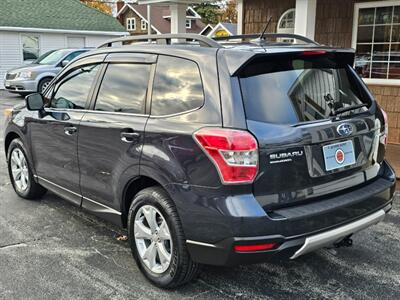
[133,17]
[29,28]
[370,27]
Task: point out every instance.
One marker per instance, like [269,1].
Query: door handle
[70,130]
[129,137]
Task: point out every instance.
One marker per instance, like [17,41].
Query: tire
[26,187]
[43,84]
[181,268]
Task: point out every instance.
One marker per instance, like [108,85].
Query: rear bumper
[300,229]
[223,254]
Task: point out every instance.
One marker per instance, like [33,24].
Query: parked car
[213,153]
[36,76]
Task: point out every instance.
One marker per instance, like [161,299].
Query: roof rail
[263,37]
[163,39]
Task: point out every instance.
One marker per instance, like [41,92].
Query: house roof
[206,30]
[230,28]
[160,19]
[56,15]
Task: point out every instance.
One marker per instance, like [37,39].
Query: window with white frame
[143,24]
[131,24]
[286,21]
[377,39]
[188,23]
[30,47]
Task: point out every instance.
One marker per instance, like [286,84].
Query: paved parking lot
[52,250]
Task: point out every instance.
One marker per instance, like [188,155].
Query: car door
[54,132]
[112,132]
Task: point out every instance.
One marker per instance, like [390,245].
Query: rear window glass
[289,90]
[177,86]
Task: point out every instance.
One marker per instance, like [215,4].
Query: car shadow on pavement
[367,270]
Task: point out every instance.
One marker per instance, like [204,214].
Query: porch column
[305,18]
[148,19]
[178,18]
[240,17]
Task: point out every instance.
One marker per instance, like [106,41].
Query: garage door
[75,42]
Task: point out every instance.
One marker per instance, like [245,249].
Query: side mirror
[64,63]
[34,102]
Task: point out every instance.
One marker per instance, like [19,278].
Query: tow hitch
[346,242]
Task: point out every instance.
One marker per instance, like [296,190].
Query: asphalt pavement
[50,249]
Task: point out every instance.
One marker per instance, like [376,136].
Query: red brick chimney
[120,5]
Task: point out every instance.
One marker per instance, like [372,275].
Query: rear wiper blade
[349,108]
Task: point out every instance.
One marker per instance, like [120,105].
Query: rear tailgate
[309,148]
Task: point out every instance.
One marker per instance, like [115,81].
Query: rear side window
[289,90]
[124,88]
[177,86]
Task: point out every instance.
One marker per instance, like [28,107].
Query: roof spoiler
[238,60]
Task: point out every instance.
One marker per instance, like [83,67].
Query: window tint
[290,90]
[124,88]
[177,86]
[74,92]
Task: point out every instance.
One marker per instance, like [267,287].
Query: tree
[229,13]
[210,12]
[98,4]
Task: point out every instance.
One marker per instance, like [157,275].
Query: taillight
[386,132]
[233,152]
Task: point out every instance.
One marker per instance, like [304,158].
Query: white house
[29,28]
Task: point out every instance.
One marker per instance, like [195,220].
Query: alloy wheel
[153,239]
[44,86]
[19,170]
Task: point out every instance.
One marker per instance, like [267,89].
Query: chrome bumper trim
[327,238]
[200,244]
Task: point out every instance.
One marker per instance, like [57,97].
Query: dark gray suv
[209,152]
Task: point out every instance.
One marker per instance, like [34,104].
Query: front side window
[124,88]
[378,42]
[131,24]
[73,92]
[30,47]
[177,86]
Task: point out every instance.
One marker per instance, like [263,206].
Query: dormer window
[188,24]
[143,24]
[131,24]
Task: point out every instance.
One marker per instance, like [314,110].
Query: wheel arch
[12,135]
[134,186]
[46,76]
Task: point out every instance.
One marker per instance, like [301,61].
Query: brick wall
[388,98]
